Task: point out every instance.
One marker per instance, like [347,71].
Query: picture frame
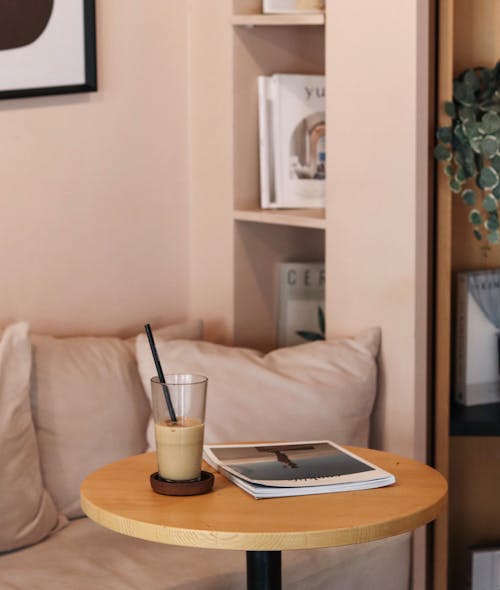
[47,47]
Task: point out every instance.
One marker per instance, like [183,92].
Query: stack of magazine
[274,470]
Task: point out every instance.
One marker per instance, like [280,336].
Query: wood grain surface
[119,497]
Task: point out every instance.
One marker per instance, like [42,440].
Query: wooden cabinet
[465,450]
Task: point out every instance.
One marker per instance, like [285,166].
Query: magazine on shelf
[301,302]
[292,140]
[273,470]
[477,345]
[292,6]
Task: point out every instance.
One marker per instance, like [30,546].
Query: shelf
[482,420]
[277,20]
[313,218]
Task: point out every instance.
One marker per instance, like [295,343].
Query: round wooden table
[119,497]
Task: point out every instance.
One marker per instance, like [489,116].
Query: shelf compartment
[277,20]
[481,420]
[311,218]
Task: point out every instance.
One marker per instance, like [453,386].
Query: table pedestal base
[263,570]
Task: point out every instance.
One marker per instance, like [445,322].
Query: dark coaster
[182,488]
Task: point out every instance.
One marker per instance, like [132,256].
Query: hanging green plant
[470,147]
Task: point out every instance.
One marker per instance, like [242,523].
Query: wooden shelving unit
[265,44]
[469,36]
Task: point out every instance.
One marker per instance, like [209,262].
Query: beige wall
[94,208]
[376,239]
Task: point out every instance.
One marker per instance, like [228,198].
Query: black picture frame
[89,83]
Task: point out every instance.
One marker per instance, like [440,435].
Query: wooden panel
[474,500]
[443,296]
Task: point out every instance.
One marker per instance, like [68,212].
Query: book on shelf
[292,140]
[274,470]
[477,347]
[292,6]
[301,301]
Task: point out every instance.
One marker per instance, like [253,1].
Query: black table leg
[263,570]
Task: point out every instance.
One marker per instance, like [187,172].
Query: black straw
[159,370]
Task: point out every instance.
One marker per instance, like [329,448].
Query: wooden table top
[119,497]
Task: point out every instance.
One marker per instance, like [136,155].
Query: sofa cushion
[28,513]
[89,408]
[318,390]
[85,555]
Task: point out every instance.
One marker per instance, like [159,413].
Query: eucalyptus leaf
[491,224]
[489,146]
[471,80]
[449,109]
[493,237]
[459,134]
[488,178]
[469,197]
[489,203]
[445,134]
[455,185]
[469,147]
[472,130]
[490,122]
[463,94]
[466,114]
[441,152]
[475,217]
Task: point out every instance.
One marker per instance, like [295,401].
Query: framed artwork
[47,47]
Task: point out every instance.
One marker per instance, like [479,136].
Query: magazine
[292,140]
[274,470]
[477,341]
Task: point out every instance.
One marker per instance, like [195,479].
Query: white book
[274,470]
[299,139]
[266,147]
[477,379]
[301,295]
[292,6]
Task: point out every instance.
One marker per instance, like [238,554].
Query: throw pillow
[317,390]
[88,407]
[28,512]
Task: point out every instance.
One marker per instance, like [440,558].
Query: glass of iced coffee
[179,417]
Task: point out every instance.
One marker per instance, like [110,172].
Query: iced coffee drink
[179,447]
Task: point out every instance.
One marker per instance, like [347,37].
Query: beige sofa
[69,406]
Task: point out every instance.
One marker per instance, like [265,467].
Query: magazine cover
[295,468]
[301,302]
[299,138]
[477,359]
